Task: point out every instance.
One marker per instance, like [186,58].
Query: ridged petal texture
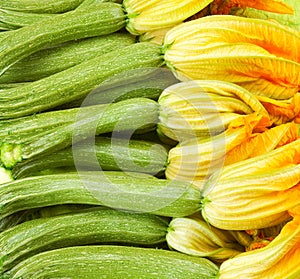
[204,108]
[259,54]
[279,259]
[149,15]
[254,193]
[196,159]
[193,236]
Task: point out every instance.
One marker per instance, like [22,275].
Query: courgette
[53,60]
[75,125]
[78,81]
[106,18]
[90,226]
[129,191]
[110,262]
[111,153]
[49,6]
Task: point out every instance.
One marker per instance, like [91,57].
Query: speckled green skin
[49,6]
[139,192]
[51,61]
[77,81]
[116,154]
[111,262]
[90,226]
[65,27]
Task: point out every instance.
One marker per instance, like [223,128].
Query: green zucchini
[90,226]
[86,3]
[129,191]
[11,85]
[78,81]
[15,19]
[106,18]
[68,127]
[110,262]
[53,60]
[44,212]
[111,153]
[49,6]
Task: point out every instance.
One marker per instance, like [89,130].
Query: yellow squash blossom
[280,259]
[254,193]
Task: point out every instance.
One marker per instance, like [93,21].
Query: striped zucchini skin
[134,191]
[112,154]
[91,226]
[53,60]
[76,82]
[110,262]
[49,6]
[106,19]
[15,19]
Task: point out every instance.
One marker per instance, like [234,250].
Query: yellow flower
[280,259]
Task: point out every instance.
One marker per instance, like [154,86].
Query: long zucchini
[110,262]
[53,60]
[111,153]
[76,82]
[49,6]
[106,18]
[90,226]
[65,129]
[128,191]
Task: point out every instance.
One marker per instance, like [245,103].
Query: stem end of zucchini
[10,154]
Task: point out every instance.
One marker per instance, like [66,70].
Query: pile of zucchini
[85,142]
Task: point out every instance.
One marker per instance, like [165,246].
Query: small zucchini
[129,191]
[49,6]
[107,18]
[110,262]
[53,60]
[112,154]
[66,128]
[76,82]
[89,226]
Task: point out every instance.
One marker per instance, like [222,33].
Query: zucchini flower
[291,20]
[196,159]
[149,15]
[204,108]
[257,54]
[279,259]
[193,236]
[281,111]
[254,193]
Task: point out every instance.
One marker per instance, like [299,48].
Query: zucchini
[78,81]
[129,191]
[90,226]
[44,212]
[111,153]
[74,125]
[49,6]
[16,19]
[86,3]
[110,262]
[53,60]
[106,18]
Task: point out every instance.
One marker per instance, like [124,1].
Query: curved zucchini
[128,191]
[109,262]
[91,226]
[78,81]
[49,6]
[112,154]
[105,19]
[53,60]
